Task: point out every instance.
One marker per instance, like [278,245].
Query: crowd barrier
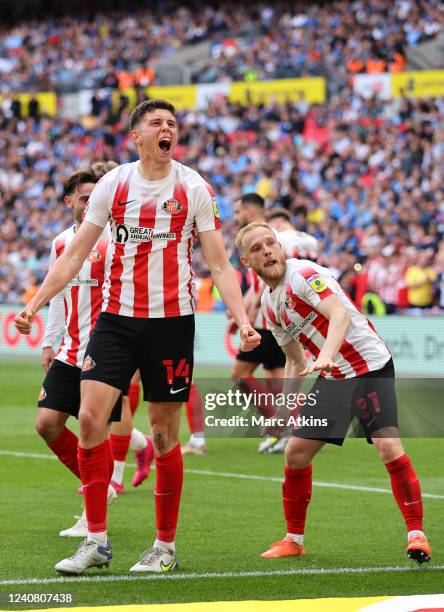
[417,343]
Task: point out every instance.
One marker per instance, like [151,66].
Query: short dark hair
[251,198]
[78,178]
[278,213]
[149,106]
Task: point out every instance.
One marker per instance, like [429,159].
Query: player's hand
[23,321]
[250,339]
[322,363]
[231,327]
[47,358]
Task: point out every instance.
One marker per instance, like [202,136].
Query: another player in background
[74,310]
[155,206]
[306,307]
[250,208]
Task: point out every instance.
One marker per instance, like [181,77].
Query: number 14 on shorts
[181,370]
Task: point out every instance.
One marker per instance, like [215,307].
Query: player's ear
[68,201]
[136,138]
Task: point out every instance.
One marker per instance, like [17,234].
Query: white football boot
[89,554]
[156,559]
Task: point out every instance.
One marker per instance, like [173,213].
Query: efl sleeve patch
[317,283]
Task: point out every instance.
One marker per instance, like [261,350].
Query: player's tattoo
[159,440]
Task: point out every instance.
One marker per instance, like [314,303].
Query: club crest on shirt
[94,256]
[289,302]
[317,283]
[172,206]
[88,364]
[42,394]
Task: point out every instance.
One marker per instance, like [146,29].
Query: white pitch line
[213,575]
[316,483]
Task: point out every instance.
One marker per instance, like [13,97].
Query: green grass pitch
[225,521]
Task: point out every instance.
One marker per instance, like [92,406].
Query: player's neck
[152,171]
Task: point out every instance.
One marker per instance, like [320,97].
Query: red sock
[133,394]
[110,457]
[296,495]
[264,404]
[65,447]
[169,478]
[94,470]
[194,410]
[407,491]
[119,446]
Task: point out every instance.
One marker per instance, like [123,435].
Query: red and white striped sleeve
[207,214]
[312,284]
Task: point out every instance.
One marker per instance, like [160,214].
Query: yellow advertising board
[47,101]
[182,97]
[312,90]
[425,83]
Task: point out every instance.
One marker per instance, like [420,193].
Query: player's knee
[296,456]
[87,422]
[46,429]
[161,440]
[389,449]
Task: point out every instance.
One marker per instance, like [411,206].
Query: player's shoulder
[64,236]
[305,268]
[118,174]
[190,178]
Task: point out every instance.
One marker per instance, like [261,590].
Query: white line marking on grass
[212,575]
[316,483]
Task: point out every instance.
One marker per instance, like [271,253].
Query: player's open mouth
[270,263]
[165,145]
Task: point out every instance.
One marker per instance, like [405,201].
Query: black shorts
[268,353]
[61,391]
[371,398]
[162,349]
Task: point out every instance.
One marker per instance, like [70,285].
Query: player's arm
[54,327]
[66,266]
[338,324]
[225,279]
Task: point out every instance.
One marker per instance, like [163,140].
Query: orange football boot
[419,549]
[284,548]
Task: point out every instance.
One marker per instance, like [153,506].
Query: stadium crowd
[365,177]
[248,42]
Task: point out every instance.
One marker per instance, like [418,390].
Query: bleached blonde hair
[240,236]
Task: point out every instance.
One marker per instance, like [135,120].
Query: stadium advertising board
[417,343]
[311,90]
[423,83]
[47,102]
[368,85]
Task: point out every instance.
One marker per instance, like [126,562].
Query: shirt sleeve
[99,206]
[312,285]
[207,214]
[55,324]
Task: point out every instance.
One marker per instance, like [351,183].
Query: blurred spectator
[419,279]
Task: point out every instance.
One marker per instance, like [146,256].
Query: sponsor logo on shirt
[83,282]
[129,233]
[88,364]
[172,206]
[294,329]
[317,283]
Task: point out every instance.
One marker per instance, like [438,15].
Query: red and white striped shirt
[81,299]
[154,225]
[294,244]
[291,311]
